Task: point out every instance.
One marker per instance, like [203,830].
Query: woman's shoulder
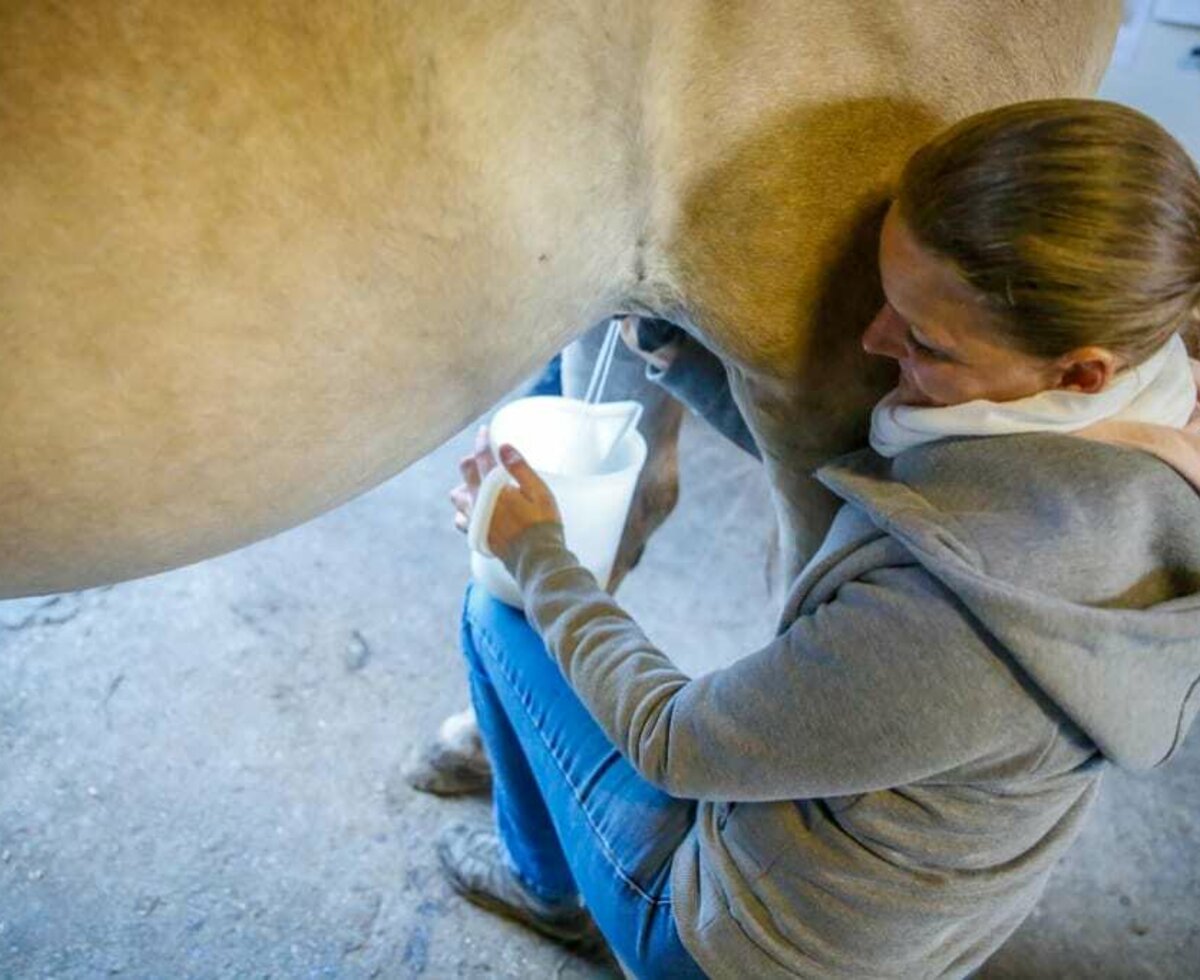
[1083,519]
[1016,474]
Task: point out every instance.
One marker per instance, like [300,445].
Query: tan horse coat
[256,257]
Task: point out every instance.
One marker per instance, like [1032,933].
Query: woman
[1000,608]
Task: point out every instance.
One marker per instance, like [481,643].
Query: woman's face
[942,337]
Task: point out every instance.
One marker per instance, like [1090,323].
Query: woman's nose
[886,334]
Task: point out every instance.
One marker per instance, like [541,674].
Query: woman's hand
[517,508]
[661,358]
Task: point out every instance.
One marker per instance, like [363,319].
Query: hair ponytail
[1077,221]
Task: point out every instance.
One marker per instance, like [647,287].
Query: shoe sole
[591,946]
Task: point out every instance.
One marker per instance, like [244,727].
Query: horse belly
[256,260]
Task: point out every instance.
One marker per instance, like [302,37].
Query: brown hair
[1076,221]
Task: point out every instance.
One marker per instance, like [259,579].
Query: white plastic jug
[590,455]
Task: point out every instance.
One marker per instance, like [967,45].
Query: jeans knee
[484,615]
[473,609]
[477,604]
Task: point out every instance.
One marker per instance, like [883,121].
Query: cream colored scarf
[1161,392]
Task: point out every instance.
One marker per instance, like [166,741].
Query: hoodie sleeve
[887,684]
[697,378]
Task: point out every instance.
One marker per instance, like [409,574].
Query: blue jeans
[574,816]
[549,382]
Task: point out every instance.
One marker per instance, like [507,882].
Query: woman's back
[994,621]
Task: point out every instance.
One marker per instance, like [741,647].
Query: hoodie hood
[1082,558]
[1178,448]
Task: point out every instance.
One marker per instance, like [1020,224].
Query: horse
[257,257]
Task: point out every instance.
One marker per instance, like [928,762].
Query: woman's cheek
[938,384]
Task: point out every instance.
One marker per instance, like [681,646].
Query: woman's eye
[918,346]
[927,351]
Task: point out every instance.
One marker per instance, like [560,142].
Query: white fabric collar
[1161,390]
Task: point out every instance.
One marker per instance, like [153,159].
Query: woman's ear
[1088,369]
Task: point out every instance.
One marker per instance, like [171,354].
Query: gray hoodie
[885,787]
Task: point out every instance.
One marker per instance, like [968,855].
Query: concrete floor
[199,771]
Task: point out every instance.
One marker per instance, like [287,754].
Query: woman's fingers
[629,325]
[532,485]
[463,498]
[485,462]
[660,358]
[516,508]
[470,472]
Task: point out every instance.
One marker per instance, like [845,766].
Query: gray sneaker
[476,867]
[454,763]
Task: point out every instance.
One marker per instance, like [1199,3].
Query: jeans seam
[541,893]
[605,847]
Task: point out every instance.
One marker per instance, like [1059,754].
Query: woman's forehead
[920,285]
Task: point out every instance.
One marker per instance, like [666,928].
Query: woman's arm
[889,683]
[697,377]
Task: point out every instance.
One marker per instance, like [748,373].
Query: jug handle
[481,513]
